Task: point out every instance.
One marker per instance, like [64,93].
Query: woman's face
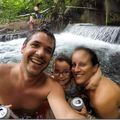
[62,72]
[82,67]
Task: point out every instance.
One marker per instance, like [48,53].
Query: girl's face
[62,72]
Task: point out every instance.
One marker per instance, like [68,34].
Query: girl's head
[62,69]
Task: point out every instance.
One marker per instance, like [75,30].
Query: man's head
[47,32]
[37,51]
[62,69]
[84,64]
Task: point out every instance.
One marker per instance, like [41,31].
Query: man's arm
[59,105]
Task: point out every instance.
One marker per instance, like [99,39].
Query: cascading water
[104,33]
[108,54]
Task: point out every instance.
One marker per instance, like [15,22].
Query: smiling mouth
[63,80]
[79,75]
[37,61]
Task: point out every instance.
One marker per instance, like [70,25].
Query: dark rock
[8,37]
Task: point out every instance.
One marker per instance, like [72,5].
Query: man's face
[62,72]
[37,53]
[82,67]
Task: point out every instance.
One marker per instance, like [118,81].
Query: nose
[61,75]
[77,68]
[40,52]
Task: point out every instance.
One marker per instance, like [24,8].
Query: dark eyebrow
[36,41]
[48,47]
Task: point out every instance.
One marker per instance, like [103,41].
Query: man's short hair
[47,32]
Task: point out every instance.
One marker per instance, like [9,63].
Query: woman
[105,95]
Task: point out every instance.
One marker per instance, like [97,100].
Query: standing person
[37,11]
[31,23]
[26,86]
[105,95]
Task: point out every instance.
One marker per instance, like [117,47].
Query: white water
[104,33]
[109,54]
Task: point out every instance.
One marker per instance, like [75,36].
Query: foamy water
[109,54]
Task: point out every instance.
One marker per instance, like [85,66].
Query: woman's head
[84,64]
[62,69]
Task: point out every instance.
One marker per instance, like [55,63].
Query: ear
[95,68]
[22,49]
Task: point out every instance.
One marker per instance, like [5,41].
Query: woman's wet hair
[62,58]
[44,30]
[94,58]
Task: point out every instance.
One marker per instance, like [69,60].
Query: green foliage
[10,9]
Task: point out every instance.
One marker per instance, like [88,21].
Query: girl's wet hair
[94,58]
[62,58]
[44,30]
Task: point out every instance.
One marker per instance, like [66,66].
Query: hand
[83,112]
[94,80]
[8,106]
[11,112]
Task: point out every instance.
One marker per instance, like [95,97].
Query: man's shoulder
[52,86]
[5,71]
[51,80]
[6,66]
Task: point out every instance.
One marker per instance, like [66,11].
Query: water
[104,33]
[108,54]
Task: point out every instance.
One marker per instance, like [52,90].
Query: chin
[34,72]
[63,83]
[79,81]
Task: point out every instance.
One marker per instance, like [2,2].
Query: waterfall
[108,52]
[104,33]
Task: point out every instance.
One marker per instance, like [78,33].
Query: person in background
[37,11]
[105,94]
[31,23]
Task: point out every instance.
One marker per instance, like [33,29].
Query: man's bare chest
[22,99]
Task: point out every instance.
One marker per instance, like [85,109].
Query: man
[103,93]
[26,86]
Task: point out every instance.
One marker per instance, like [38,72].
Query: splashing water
[108,54]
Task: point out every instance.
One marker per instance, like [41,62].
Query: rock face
[11,36]
[13,27]
[13,30]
